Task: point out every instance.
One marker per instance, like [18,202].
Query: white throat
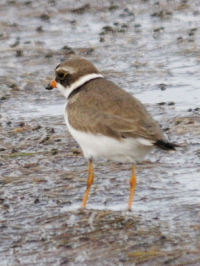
[82,80]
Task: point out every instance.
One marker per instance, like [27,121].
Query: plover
[105,120]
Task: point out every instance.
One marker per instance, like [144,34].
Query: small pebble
[45,17]
[162,86]
[19,53]
[39,29]
[171,103]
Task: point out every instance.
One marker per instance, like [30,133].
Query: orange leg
[89,183]
[133,183]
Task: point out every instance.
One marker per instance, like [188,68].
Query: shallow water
[42,172]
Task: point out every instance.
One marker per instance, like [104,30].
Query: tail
[165,145]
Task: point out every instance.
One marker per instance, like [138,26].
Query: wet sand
[150,49]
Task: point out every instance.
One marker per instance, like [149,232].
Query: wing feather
[107,109]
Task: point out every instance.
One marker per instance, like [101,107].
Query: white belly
[101,146]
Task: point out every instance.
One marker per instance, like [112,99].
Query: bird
[106,121]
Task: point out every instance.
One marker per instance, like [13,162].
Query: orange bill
[53,83]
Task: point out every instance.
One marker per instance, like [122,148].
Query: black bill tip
[49,87]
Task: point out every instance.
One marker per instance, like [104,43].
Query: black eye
[61,75]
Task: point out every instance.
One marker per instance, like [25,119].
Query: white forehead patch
[70,70]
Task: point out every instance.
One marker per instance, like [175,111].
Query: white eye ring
[61,75]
